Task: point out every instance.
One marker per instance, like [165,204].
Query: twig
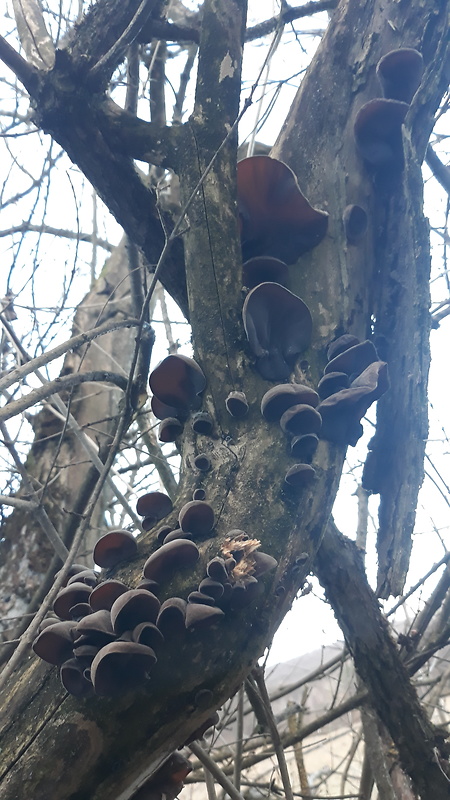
[239,739]
[211,766]
[27,75]
[108,61]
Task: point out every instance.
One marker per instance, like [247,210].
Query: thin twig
[212,767]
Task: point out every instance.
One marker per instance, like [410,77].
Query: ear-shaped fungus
[201,616]
[132,608]
[196,517]
[262,269]
[161,410]
[171,556]
[236,404]
[73,679]
[263,562]
[276,218]
[217,570]
[400,73]
[178,381]
[303,447]
[55,643]
[79,611]
[120,666]
[171,617]
[70,596]
[154,505]
[332,382]
[202,423]
[301,419]
[147,633]
[114,547]
[199,494]
[202,462]
[103,596]
[74,569]
[278,399]
[300,475]
[342,412]
[169,429]
[177,534]
[354,359]
[212,588]
[97,628]
[378,133]
[278,326]
[340,344]
[87,576]
[355,223]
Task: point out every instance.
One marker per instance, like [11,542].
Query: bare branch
[33,33]
[22,70]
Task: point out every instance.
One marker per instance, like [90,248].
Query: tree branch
[21,68]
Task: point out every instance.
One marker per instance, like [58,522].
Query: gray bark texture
[66,749]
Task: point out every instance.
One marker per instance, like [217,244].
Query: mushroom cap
[354,359]
[340,344]
[279,398]
[87,576]
[74,569]
[263,562]
[97,627]
[147,633]
[120,666]
[199,597]
[55,643]
[277,220]
[171,617]
[332,382]
[132,608]
[163,531]
[103,596]
[202,423]
[80,610]
[202,462]
[72,678]
[278,326]
[378,132]
[196,517]
[148,585]
[199,615]
[177,534]
[303,447]
[342,411]
[70,596]
[173,555]
[400,73]
[217,570]
[178,381]
[114,547]
[170,429]
[301,419]
[355,223]
[262,269]
[199,494]
[212,588]
[300,475]
[154,504]
[236,404]
[161,410]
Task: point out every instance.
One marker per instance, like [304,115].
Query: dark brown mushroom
[148,585]
[378,133]
[201,616]
[199,494]
[85,652]
[196,517]
[72,678]
[103,596]
[147,633]
[216,569]
[199,597]
[171,556]
[212,588]
[237,405]
[70,596]
[202,423]
[55,643]
[80,610]
[132,608]
[171,617]
[301,419]
[355,223]
[344,342]
[161,410]
[332,382]
[121,666]
[170,429]
[97,628]
[178,381]
[262,269]
[354,359]
[263,562]
[300,475]
[202,462]
[154,505]
[304,447]
[278,326]
[87,576]
[277,220]
[162,533]
[177,534]
[400,73]
[114,547]
[278,399]
[74,569]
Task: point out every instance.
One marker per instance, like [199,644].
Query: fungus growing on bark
[171,556]
[97,627]
[199,597]
[400,73]
[80,610]
[202,423]
[104,595]
[212,588]
[236,404]
[70,596]
[278,399]
[378,133]
[177,534]
[87,576]
[276,218]
[202,462]
[199,615]
[300,475]
[172,613]
[354,359]
[178,381]
[169,429]
[154,505]
[340,344]
[262,269]
[355,223]
[278,326]
[332,382]
[121,666]
[147,633]
[199,494]
[263,562]
[148,585]
[301,419]
[132,608]
[216,569]
[74,569]
[161,410]
[196,517]
[114,547]
[162,533]
[55,643]
[72,678]
[342,412]
[304,447]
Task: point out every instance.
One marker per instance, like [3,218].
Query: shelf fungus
[236,404]
[132,608]
[276,219]
[196,517]
[172,614]
[170,429]
[353,360]
[121,666]
[278,326]
[400,73]
[104,595]
[301,419]
[154,506]
[300,475]
[262,269]
[180,553]
[378,132]
[178,381]
[282,397]
[114,547]
[202,423]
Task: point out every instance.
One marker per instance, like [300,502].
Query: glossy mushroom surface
[178,381]
[114,547]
